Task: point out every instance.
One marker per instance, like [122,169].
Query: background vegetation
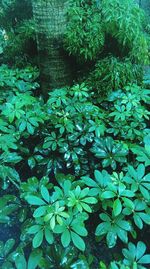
[74,163]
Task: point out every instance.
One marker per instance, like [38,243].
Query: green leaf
[34,259]
[78,241]
[65,238]
[22,126]
[31,162]
[45,193]
[123,224]
[138,221]
[7,265]
[128,203]
[90,200]
[145,259]
[89,182]
[102,228]
[34,200]
[140,171]
[38,239]
[52,222]
[132,172]
[117,207]
[40,211]
[49,236]
[20,262]
[122,234]
[108,195]
[111,239]
[105,217]
[30,128]
[85,207]
[145,217]
[145,193]
[140,250]
[98,175]
[9,245]
[79,230]
[128,193]
[34,229]
[34,122]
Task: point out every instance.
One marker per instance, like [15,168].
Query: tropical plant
[134,257]
[110,74]
[120,196]
[85,40]
[74,169]
[129,113]
[18,32]
[109,19]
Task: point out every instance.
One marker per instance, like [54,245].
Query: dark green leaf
[34,259]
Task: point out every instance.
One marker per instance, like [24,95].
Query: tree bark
[50,18]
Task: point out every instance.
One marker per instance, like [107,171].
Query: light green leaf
[65,238]
[108,195]
[20,262]
[34,229]
[30,128]
[34,200]
[40,211]
[145,259]
[78,241]
[111,239]
[117,207]
[45,193]
[140,250]
[90,200]
[79,230]
[52,222]
[49,236]
[85,207]
[38,239]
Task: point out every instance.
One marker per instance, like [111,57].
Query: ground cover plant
[74,164]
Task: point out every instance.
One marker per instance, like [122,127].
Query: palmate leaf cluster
[84,159]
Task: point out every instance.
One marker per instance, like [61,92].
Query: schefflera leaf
[135,254]
[72,230]
[34,200]
[39,231]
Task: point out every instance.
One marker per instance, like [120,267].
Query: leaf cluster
[90,22]
[65,144]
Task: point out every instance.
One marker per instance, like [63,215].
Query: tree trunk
[55,69]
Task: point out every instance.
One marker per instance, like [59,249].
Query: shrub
[111,74]
[62,172]
[82,39]
[91,21]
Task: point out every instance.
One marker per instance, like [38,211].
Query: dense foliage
[92,28]
[104,174]
[17,32]
[74,169]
